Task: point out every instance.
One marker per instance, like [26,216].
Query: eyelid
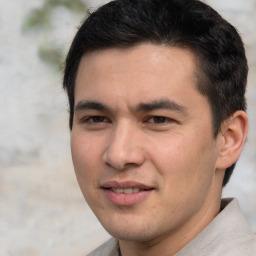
[165,120]
[91,120]
[88,118]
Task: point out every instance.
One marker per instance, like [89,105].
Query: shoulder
[227,235]
[109,248]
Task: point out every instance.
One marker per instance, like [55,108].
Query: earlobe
[232,138]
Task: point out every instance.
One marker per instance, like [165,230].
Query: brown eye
[158,119]
[97,119]
[95,123]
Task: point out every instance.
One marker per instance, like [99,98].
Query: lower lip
[126,199]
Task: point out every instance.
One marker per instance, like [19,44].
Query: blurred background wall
[42,211]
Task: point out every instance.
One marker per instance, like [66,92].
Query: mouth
[126,187]
[127,190]
[126,193]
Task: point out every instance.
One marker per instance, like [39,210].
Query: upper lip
[125,184]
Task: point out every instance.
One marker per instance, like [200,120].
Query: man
[156,92]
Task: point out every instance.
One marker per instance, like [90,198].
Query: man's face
[142,141]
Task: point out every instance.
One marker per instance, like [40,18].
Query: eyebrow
[93,105]
[161,104]
[141,107]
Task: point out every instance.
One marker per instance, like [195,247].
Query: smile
[125,190]
[126,193]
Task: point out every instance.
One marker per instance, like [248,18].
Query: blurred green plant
[39,21]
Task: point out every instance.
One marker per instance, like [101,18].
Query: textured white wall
[42,211]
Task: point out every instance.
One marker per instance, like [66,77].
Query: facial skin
[140,122]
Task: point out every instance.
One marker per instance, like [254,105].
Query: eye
[95,122]
[159,120]
[96,119]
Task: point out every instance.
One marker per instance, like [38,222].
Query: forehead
[143,71]
[145,55]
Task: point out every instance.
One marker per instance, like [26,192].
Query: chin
[131,235]
[132,232]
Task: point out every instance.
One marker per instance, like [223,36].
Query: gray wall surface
[42,211]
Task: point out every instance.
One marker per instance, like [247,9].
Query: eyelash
[158,120]
[95,119]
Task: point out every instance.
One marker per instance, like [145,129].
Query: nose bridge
[124,146]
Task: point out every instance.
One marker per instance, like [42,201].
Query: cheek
[185,162]
[170,154]
[187,172]
[86,157]
[87,165]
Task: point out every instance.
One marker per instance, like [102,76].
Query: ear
[231,139]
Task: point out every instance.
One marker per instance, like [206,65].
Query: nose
[124,148]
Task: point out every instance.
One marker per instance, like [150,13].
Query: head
[156,92]
[220,57]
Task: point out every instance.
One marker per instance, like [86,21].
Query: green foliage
[51,55]
[39,21]
[75,6]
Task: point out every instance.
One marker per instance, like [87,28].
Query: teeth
[126,190]
[119,191]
